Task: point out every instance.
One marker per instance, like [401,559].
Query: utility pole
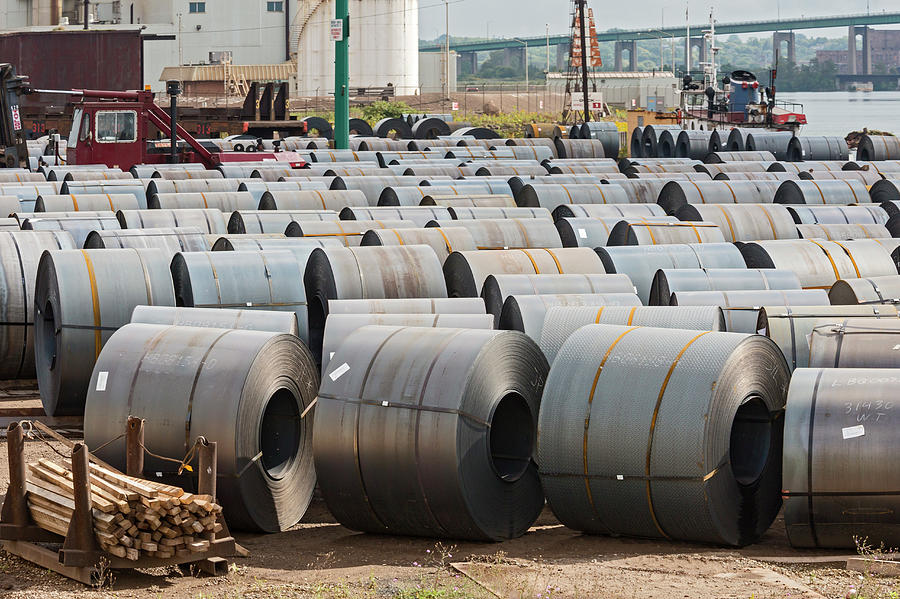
[342,78]
[447,40]
[547,25]
[180,47]
[87,12]
[582,16]
[687,41]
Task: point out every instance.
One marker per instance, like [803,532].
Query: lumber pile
[132,517]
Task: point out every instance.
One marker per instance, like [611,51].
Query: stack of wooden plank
[132,517]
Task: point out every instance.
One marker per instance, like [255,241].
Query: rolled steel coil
[386,126]
[420,215]
[81,297]
[87,202]
[607,211]
[854,343]
[868,178]
[10,205]
[245,389]
[692,144]
[374,144]
[676,194]
[178,174]
[535,141]
[646,232]
[170,240]
[870,290]
[414,195]
[756,176]
[736,139]
[469,201]
[348,232]
[218,318]
[465,272]
[272,241]
[878,147]
[539,153]
[208,220]
[891,208]
[790,326]
[466,213]
[517,183]
[777,142]
[429,128]
[642,191]
[509,170]
[21,177]
[550,196]
[252,280]
[561,322]
[443,241]
[424,170]
[892,225]
[885,191]
[539,130]
[666,168]
[724,157]
[650,139]
[838,232]
[669,281]
[105,175]
[697,434]
[343,156]
[593,232]
[313,199]
[641,263]
[817,148]
[23,216]
[685,176]
[356,171]
[742,308]
[19,256]
[596,173]
[636,143]
[579,148]
[744,222]
[819,264]
[320,125]
[373,186]
[497,288]
[371,272]
[145,171]
[668,140]
[526,313]
[273,221]
[836,215]
[478,133]
[9,224]
[226,201]
[157,186]
[839,474]
[718,140]
[507,233]
[607,133]
[29,192]
[472,480]
[135,188]
[339,326]
[361,127]
[77,227]
[748,166]
[822,192]
[439,305]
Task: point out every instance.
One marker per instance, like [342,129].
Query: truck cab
[108,133]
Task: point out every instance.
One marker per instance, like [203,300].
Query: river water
[838,113]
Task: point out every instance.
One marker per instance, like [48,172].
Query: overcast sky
[509,18]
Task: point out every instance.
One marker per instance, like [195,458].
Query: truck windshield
[116,126]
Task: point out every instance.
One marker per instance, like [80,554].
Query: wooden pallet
[21,400]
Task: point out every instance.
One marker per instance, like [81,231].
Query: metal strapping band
[834,267]
[820,190]
[702,200]
[407,406]
[522,228]
[74,202]
[599,312]
[555,260]
[727,220]
[95,300]
[602,195]
[397,233]
[849,255]
[809,454]
[566,189]
[446,239]
[537,270]
[321,198]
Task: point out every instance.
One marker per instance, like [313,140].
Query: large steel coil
[500,212]
[455,435]
[170,240]
[96,172]
[539,153]
[636,143]
[822,192]
[790,326]
[641,263]
[676,194]
[497,288]
[209,221]
[748,166]
[87,201]
[580,148]
[737,139]
[343,156]
[756,176]
[839,468]
[892,225]
[375,144]
[742,308]
[413,195]
[744,222]
[607,211]
[81,297]
[19,256]
[312,199]
[178,174]
[371,272]
[869,290]
[669,281]
[855,343]
[886,191]
[469,201]
[430,128]
[101,188]
[878,147]
[776,142]
[425,170]
[642,191]
[226,201]
[339,326]
[666,170]
[817,148]
[218,318]
[718,141]
[680,440]
[550,196]
[78,227]
[507,233]
[273,221]
[443,240]
[692,144]
[465,272]
[723,157]
[509,170]
[157,186]
[843,232]
[593,232]
[863,214]
[647,232]
[606,132]
[372,186]
[668,140]
[244,389]
[10,205]
[420,215]
[438,305]
[526,313]
[561,322]
[145,171]
[348,232]
[29,192]
[269,241]
[650,139]
[819,264]
[868,178]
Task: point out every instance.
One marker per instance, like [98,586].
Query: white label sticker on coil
[582,233]
[101,380]
[897,347]
[620,477]
[249,304]
[339,371]
[852,432]
[330,355]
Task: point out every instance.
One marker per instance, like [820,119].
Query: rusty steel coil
[742,308]
[465,272]
[744,222]
[640,263]
[170,240]
[86,201]
[526,313]
[209,221]
[78,227]
[420,215]
[822,192]
[676,194]
[561,322]
[839,468]
[313,199]
[443,240]
[719,157]
[244,389]
[348,232]
[218,318]
[272,221]
[81,297]
[617,211]
[648,232]
[497,288]
[679,441]
[551,195]
[854,343]
[819,264]
[869,290]
[226,201]
[593,232]
[836,215]
[455,436]
[507,233]
[669,281]
[469,201]
[371,272]
[845,232]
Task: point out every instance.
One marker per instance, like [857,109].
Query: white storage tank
[384,45]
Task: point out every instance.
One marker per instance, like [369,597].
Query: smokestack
[87,12]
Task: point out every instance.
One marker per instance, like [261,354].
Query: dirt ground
[320,559]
